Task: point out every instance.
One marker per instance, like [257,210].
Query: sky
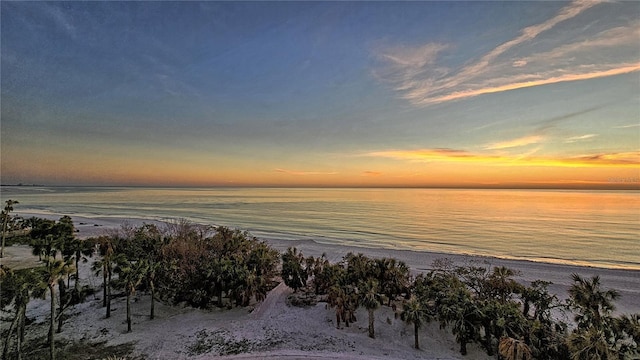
[416,94]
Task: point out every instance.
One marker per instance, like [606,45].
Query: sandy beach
[274,329]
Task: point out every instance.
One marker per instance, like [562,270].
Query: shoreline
[96,226]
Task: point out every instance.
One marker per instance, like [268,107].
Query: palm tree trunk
[75,285]
[415,335]
[220,297]
[463,346]
[104,285]
[63,292]
[128,311]
[20,331]
[372,333]
[108,297]
[4,232]
[5,351]
[52,349]
[21,326]
[21,322]
[487,339]
[153,300]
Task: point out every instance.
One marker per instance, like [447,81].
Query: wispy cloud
[626,126]
[61,19]
[420,77]
[371,173]
[573,139]
[523,141]
[631,158]
[304,173]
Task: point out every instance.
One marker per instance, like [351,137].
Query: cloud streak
[616,159]
[420,77]
[523,141]
[573,139]
[303,173]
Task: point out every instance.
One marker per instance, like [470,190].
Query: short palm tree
[104,266]
[294,273]
[462,312]
[336,299]
[370,299]
[592,302]
[80,250]
[414,312]
[130,275]
[512,349]
[590,344]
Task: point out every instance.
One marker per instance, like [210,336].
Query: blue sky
[320,93]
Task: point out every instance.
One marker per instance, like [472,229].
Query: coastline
[626,281]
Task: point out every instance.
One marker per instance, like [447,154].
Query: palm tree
[414,312]
[627,335]
[371,301]
[130,275]
[392,275]
[336,299]
[461,311]
[590,344]
[319,265]
[80,250]
[18,288]
[293,272]
[105,266]
[512,349]
[594,336]
[500,284]
[359,268]
[593,303]
[149,239]
[54,271]
[5,221]
[153,267]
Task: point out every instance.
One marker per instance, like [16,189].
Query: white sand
[275,330]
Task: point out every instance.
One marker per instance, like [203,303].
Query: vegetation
[477,304]
[181,263]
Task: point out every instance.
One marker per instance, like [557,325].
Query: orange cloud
[304,173]
[451,155]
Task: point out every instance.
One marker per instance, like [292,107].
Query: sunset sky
[513,94]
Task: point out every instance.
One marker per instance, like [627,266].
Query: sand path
[277,296]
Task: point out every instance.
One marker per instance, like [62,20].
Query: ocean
[590,228]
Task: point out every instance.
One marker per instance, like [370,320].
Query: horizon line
[617,186]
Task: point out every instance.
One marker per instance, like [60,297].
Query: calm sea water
[595,228]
